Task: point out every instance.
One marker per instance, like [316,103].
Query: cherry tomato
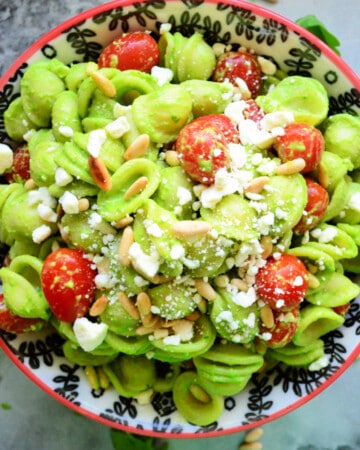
[317,203]
[282,282]
[283,330]
[68,282]
[342,309]
[202,145]
[301,140]
[20,170]
[13,323]
[238,64]
[136,50]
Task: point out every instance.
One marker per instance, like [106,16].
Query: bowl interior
[279,390]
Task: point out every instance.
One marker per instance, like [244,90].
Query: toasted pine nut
[98,307]
[91,66]
[138,186]
[172,158]
[221,281]
[143,330]
[267,245]
[291,167]
[240,284]
[256,185]
[203,306]
[143,304]
[161,333]
[323,176]
[267,316]
[254,435]
[151,321]
[199,393]
[100,173]
[159,279]
[188,228]
[105,85]
[129,306]
[84,204]
[126,241]
[124,222]
[205,289]
[29,184]
[138,147]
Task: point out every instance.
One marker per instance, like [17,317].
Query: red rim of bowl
[263,12]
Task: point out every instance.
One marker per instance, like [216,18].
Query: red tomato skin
[254,112]
[20,170]
[342,310]
[283,330]
[68,283]
[13,323]
[282,282]
[239,64]
[135,50]
[202,145]
[301,141]
[315,208]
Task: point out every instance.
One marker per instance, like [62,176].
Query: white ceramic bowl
[295,51]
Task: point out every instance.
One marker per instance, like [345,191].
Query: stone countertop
[31,420]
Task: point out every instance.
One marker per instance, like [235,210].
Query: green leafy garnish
[122,440]
[316,27]
[5,405]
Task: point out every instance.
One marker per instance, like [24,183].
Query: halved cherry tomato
[342,310]
[202,145]
[13,323]
[282,282]
[135,50]
[20,170]
[317,203]
[301,140]
[239,64]
[283,330]
[68,282]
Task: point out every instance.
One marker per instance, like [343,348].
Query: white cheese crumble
[324,236]
[89,334]
[118,127]
[148,265]
[69,203]
[62,178]
[6,158]
[163,75]
[184,195]
[66,131]
[46,213]
[41,233]
[319,363]
[41,195]
[95,142]
[354,202]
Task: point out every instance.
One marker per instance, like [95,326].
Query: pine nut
[205,289]
[103,378]
[203,306]
[254,435]
[143,304]
[323,176]
[313,282]
[138,147]
[126,241]
[104,84]
[267,316]
[256,185]
[194,316]
[240,284]
[199,393]
[98,307]
[29,184]
[161,333]
[138,186]
[172,158]
[291,167]
[100,173]
[267,245]
[124,222]
[129,306]
[143,330]
[84,204]
[188,228]
[221,281]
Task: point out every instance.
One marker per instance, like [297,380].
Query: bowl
[277,390]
